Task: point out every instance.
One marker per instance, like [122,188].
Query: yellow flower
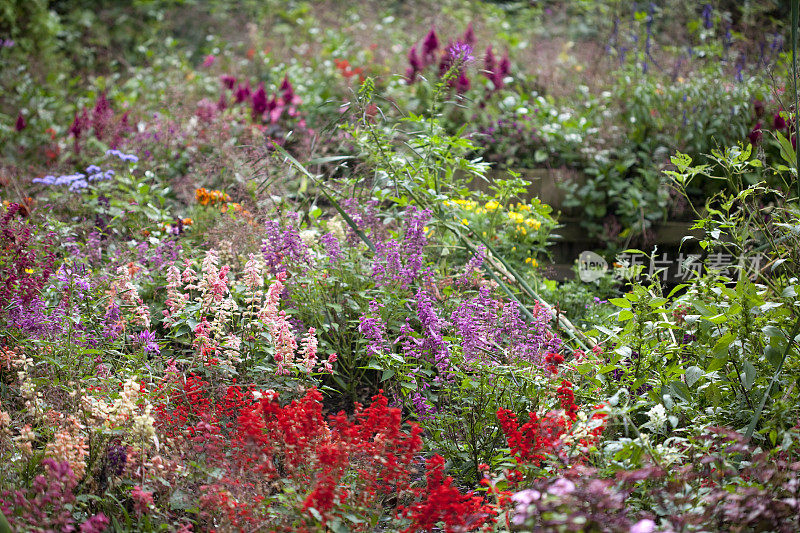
[531,261]
[533,223]
[491,205]
[515,217]
[29,271]
[465,221]
[513,248]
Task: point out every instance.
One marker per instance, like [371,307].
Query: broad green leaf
[773,355]
[721,346]
[693,373]
[749,376]
[717,363]
[620,302]
[681,390]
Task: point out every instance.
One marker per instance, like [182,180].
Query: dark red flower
[242,92]
[778,122]
[228,81]
[469,35]
[429,46]
[758,107]
[259,101]
[755,134]
[20,124]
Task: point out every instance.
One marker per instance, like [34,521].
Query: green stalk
[794,79]
[296,164]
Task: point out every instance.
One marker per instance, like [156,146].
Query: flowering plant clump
[27,256]
[258,272]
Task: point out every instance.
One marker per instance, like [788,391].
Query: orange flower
[187,221]
[202,196]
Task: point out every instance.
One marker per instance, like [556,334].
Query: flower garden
[283,266]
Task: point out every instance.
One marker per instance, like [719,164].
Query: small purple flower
[707,13]
[147,341]
[423,408]
[460,53]
[415,65]
[117,458]
[469,35]
[124,157]
[332,248]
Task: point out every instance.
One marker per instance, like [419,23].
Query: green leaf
[773,355]
[387,374]
[620,302]
[787,150]
[717,363]
[749,375]
[721,346]
[773,332]
[5,527]
[681,390]
[693,373]
[625,315]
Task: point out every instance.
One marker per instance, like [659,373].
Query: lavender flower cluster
[124,157]
[282,245]
[400,262]
[78,181]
